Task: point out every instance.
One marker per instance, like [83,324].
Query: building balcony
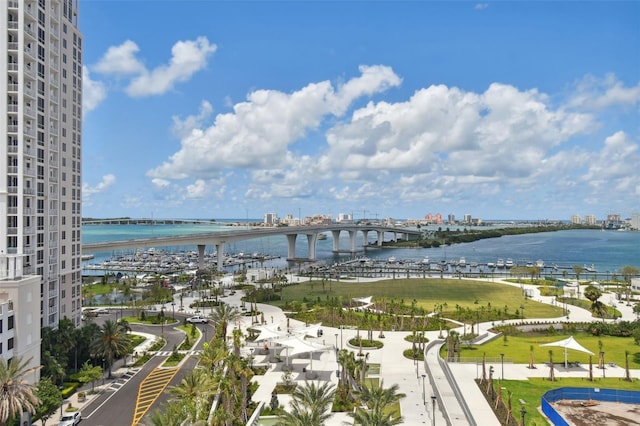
[53,309]
[29,91]
[54,14]
[12,210]
[30,52]
[12,231]
[12,46]
[12,66]
[30,32]
[12,129]
[31,11]
[30,132]
[12,108]
[11,4]
[12,87]
[12,170]
[29,191]
[30,112]
[30,71]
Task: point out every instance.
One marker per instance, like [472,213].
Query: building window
[10,324]
[10,344]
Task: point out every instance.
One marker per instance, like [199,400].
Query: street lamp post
[424,397]
[61,400]
[336,334]
[491,381]
[341,327]
[173,310]
[502,362]
[433,414]
[522,413]
[415,362]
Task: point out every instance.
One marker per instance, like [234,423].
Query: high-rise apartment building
[40,150]
[590,220]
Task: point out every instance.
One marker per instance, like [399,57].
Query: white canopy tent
[309,331]
[366,302]
[295,345]
[569,343]
[268,332]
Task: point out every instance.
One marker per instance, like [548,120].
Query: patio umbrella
[569,343]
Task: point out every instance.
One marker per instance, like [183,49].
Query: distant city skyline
[508,110]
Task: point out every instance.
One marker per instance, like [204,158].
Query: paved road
[118,403]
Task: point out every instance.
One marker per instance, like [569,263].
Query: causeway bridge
[220,238]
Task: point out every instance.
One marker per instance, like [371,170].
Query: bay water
[606,251]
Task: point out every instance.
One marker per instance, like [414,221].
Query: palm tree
[310,404]
[16,395]
[223,315]
[213,354]
[172,414]
[378,400]
[593,293]
[112,341]
[194,390]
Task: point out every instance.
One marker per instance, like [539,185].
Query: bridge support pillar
[336,241]
[380,238]
[311,242]
[220,255]
[352,240]
[365,237]
[201,248]
[291,242]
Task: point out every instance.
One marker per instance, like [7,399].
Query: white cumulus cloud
[598,93]
[121,60]
[107,181]
[259,131]
[187,58]
[93,91]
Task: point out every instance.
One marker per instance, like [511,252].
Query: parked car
[102,311]
[197,320]
[70,419]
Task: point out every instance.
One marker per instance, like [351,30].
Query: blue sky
[223,109]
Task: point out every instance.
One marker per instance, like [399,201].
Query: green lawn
[517,350]
[531,391]
[427,292]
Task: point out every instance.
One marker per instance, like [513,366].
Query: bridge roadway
[220,238]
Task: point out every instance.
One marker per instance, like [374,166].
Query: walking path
[418,382]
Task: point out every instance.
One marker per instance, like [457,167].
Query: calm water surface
[607,251]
